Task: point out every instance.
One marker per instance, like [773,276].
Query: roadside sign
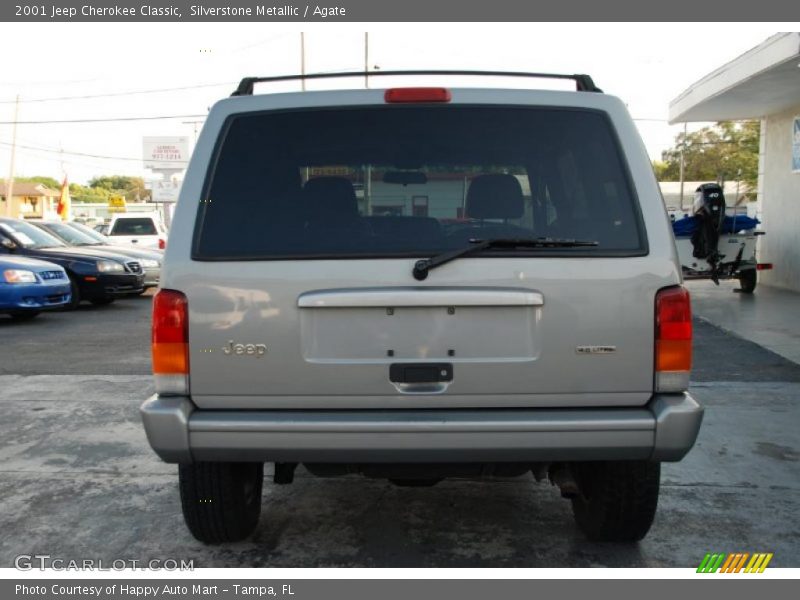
[164,190]
[170,153]
[116,203]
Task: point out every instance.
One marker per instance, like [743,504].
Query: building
[31,200]
[764,84]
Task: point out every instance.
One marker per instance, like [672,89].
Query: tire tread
[622,502]
[213,503]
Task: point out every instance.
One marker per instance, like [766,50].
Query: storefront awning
[761,82]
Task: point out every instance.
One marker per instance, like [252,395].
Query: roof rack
[583,83]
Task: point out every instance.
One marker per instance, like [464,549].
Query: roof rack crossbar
[583,83]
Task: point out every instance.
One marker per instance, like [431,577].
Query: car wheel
[24,315]
[748,280]
[617,500]
[75,295]
[221,501]
[101,301]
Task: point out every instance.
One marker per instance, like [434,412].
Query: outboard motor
[709,209]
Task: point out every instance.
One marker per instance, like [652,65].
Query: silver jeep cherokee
[416,283]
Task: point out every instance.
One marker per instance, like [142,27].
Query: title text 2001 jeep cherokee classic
[415,283]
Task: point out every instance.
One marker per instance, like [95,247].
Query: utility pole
[10,181]
[366,60]
[683,145]
[194,125]
[303,60]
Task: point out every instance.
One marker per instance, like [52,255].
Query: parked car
[138,229]
[504,297]
[95,275]
[75,234]
[29,286]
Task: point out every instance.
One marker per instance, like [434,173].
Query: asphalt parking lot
[78,480]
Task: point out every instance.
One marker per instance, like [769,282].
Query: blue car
[29,286]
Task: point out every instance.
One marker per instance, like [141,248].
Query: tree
[47,182]
[726,151]
[131,187]
[660,168]
[80,193]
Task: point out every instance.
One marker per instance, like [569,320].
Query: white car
[143,230]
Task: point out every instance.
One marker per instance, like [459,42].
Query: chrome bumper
[663,430]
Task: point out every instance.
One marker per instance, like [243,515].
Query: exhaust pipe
[561,475]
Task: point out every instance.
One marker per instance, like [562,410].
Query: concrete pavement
[78,481]
[770,317]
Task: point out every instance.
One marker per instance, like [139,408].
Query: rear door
[300,287]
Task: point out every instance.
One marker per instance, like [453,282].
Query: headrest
[330,197]
[495,196]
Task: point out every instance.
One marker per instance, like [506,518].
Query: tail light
[673,340]
[170,342]
[417,94]
[162,243]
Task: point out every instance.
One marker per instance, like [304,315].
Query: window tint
[135,226]
[28,236]
[68,234]
[88,231]
[407,181]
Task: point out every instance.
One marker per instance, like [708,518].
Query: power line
[129,93]
[60,151]
[56,159]
[109,120]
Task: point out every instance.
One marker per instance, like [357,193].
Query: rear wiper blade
[421,267]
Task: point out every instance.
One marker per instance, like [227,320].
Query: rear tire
[748,280]
[221,501]
[618,500]
[75,295]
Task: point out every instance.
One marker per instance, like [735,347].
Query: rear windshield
[137,226]
[414,181]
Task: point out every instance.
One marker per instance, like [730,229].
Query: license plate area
[436,334]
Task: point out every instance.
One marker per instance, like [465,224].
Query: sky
[646,65]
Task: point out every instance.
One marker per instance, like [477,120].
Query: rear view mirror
[8,244]
[405,177]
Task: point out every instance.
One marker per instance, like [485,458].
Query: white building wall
[780,201]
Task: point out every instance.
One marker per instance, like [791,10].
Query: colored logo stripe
[758,563]
[734,563]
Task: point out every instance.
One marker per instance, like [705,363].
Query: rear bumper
[664,430]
